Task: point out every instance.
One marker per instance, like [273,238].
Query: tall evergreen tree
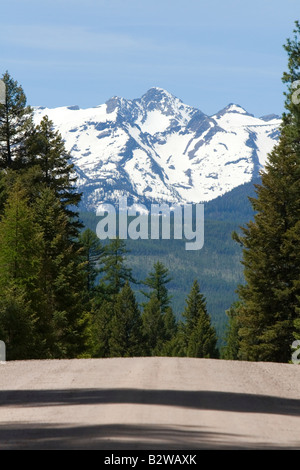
[126,338]
[114,270]
[272,272]
[170,323]
[17,323]
[157,281]
[232,339]
[195,302]
[199,336]
[47,151]
[20,239]
[100,328]
[92,253]
[20,258]
[172,345]
[16,125]
[40,255]
[153,327]
[61,281]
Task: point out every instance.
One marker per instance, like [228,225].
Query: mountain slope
[217,266]
[156,148]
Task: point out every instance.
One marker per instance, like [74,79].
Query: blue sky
[208,53]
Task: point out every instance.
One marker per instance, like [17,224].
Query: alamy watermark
[296,353]
[2,92]
[2,352]
[296,93]
[188,222]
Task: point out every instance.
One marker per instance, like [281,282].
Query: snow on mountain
[156,148]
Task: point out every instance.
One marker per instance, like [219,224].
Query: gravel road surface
[149,403]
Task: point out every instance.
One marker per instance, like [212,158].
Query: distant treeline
[217,266]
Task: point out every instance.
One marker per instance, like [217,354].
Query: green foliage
[20,239]
[156,281]
[153,326]
[199,336]
[92,254]
[114,270]
[217,265]
[203,340]
[271,260]
[170,323]
[47,153]
[61,279]
[17,323]
[195,303]
[126,338]
[43,313]
[232,337]
[16,125]
[100,329]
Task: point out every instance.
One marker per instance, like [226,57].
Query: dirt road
[149,403]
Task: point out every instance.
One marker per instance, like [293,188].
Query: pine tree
[115,271]
[272,273]
[100,328]
[153,326]
[195,303]
[17,323]
[47,151]
[20,239]
[40,254]
[172,341]
[126,338]
[232,338]
[20,258]
[92,255]
[115,276]
[203,339]
[16,125]
[63,320]
[156,281]
[199,336]
[170,323]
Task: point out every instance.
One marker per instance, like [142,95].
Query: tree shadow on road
[40,436]
[20,435]
[201,400]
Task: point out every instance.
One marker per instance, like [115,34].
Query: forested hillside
[217,265]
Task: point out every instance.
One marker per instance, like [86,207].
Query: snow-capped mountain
[156,148]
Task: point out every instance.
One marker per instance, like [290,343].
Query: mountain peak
[269,117]
[114,102]
[160,100]
[157,95]
[159,89]
[233,108]
[156,148]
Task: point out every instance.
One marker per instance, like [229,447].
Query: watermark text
[2,352]
[2,92]
[137,222]
[296,93]
[296,353]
